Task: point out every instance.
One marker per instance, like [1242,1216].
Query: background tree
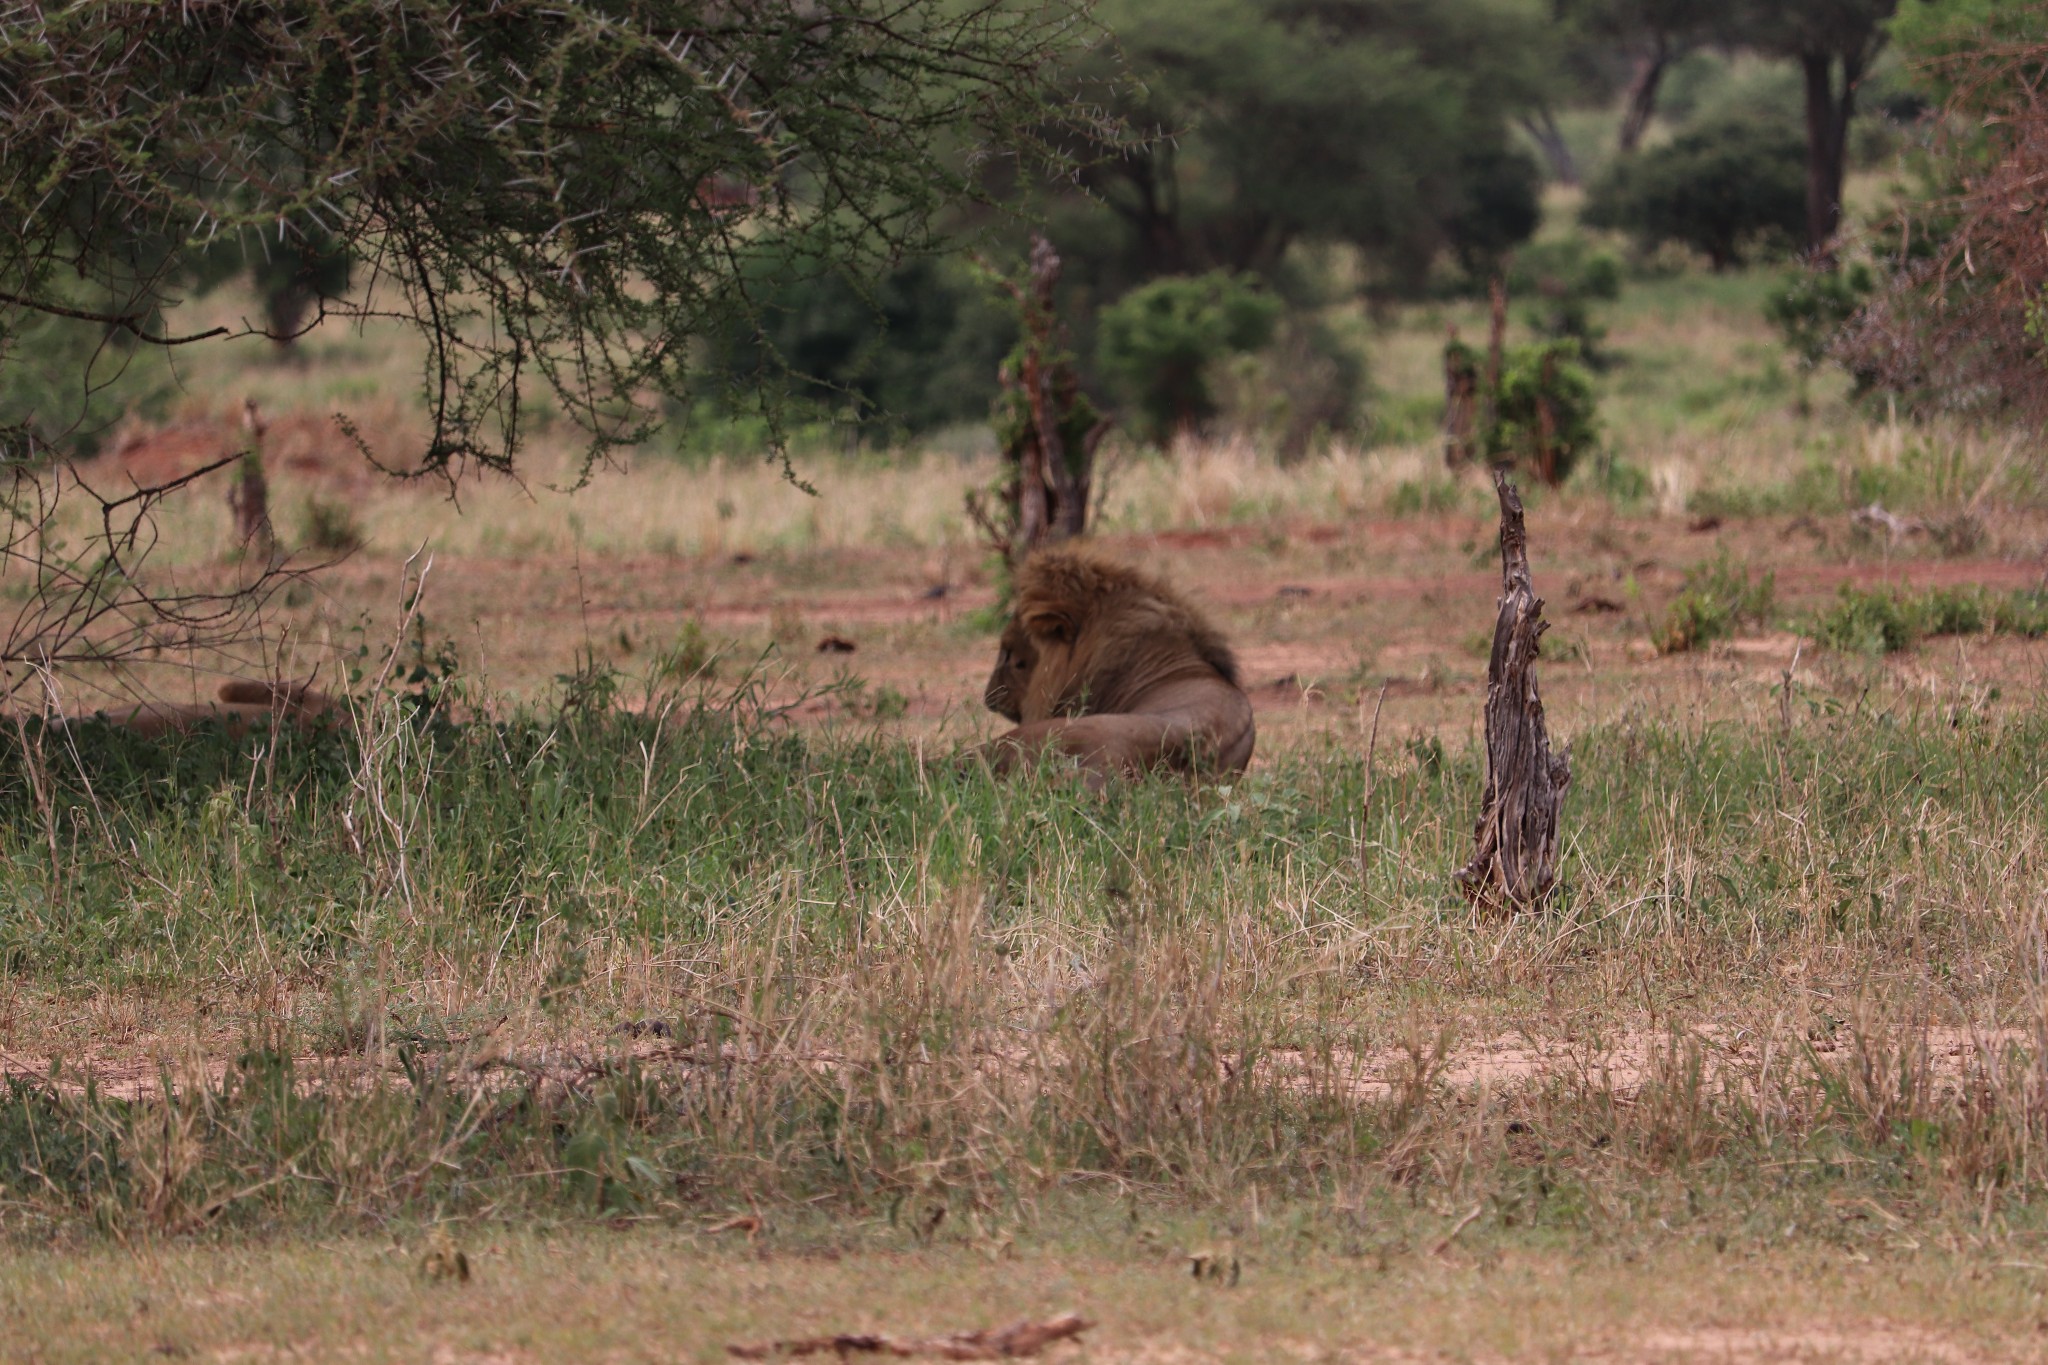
[1159,342]
[1956,322]
[557,198]
[1716,188]
[1834,42]
[1380,124]
[912,352]
[1645,38]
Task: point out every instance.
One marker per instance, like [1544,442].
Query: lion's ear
[1051,623]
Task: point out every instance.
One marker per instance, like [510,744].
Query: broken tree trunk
[1047,428]
[1515,859]
[249,495]
[1461,402]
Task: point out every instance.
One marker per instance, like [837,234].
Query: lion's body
[244,703]
[1114,668]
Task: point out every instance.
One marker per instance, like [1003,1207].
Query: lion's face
[1010,683]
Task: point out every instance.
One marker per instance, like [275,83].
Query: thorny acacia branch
[550,194]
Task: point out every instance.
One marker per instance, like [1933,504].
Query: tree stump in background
[249,495]
[1461,402]
[1515,859]
[1046,427]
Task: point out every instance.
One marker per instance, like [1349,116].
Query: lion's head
[1088,636]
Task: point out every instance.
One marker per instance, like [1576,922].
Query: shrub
[1158,343]
[913,352]
[1719,188]
[1544,413]
[1868,622]
[329,524]
[1811,307]
[1718,596]
[1308,385]
[1567,277]
[2023,613]
[1885,620]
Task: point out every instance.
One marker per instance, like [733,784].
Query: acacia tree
[1835,42]
[1653,35]
[1959,322]
[551,194]
[1382,124]
[557,196]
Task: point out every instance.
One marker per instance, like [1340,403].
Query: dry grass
[1767,1082]
[677,1294]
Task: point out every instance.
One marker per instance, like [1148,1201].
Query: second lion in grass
[1111,667]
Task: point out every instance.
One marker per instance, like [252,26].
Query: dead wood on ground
[1018,1339]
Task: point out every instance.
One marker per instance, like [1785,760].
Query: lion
[1110,666]
[242,704]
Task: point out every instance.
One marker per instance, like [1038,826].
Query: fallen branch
[1018,1339]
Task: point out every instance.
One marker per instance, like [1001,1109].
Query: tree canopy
[1383,124]
[554,196]
[1715,188]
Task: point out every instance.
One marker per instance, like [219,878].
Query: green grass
[881,979]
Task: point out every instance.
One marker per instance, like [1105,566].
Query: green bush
[2023,613]
[1306,386]
[916,351]
[64,384]
[329,524]
[1864,621]
[1718,596]
[1810,308]
[1157,344]
[1720,188]
[1886,620]
[1544,414]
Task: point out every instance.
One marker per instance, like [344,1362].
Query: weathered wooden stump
[1514,862]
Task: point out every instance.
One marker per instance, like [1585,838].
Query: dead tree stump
[1047,428]
[249,495]
[1514,862]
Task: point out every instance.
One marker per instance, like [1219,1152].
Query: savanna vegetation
[630,965]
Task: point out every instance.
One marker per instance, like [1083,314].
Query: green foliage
[1378,124]
[293,274]
[911,353]
[1718,596]
[1158,343]
[1545,414]
[1307,384]
[64,384]
[1499,207]
[1931,35]
[559,198]
[1566,276]
[1710,87]
[329,524]
[1812,306]
[1722,189]
[1887,620]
